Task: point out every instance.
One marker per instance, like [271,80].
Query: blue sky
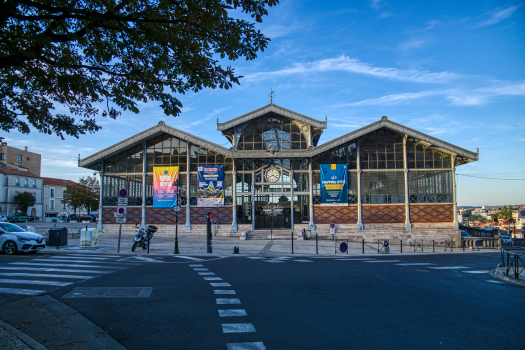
[452,69]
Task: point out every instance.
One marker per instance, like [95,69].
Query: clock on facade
[272,175]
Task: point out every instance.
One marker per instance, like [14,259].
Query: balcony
[17,184]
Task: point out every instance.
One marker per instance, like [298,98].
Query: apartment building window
[63,206]
[52,194]
[26,183]
[17,181]
[19,158]
[52,205]
[34,183]
[2,156]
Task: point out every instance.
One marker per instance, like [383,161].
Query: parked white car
[15,239]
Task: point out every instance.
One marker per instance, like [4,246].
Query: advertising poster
[164,193]
[210,192]
[334,186]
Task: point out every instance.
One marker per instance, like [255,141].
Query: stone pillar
[144,152]
[188,189]
[408,224]
[234,199]
[454,192]
[360,226]
[100,225]
[311,226]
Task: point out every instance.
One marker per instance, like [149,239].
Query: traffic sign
[332,225]
[122,211]
[122,201]
[121,220]
[385,244]
[177,208]
[215,222]
[123,192]
[343,247]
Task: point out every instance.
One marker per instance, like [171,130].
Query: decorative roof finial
[271,96]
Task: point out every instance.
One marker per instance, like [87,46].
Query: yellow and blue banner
[334,184]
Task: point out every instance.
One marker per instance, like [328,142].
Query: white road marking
[491,281]
[480,271]
[255,257]
[206,274]
[22,274]
[223,291]
[70,261]
[101,255]
[300,260]
[273,261]
[76,257]
[212,279]
[200,269]
[246,346]
[66,265]
[45,283]
[151,260]
[415,264]
[381,261]
[237,328]
[190,258]
[448,267]
[21,291]
[232,313]
[222,284]
[196,265]
[222,301]
[350,259]
[46,269]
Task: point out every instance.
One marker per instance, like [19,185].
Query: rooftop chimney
[25,148]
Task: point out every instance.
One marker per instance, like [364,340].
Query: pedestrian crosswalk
[41,275]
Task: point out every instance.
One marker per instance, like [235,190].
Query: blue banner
[164,193]
[210,191]
[334,185]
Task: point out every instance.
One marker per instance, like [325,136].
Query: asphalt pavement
[140,301]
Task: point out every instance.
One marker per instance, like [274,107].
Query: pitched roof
[267,109]
[9,171]
[58,182]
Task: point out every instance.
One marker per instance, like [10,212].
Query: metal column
[454,192]
[234,199]
[291,201]
[360,226]
[408,224]
[311,195]
[188,189]
[143,221]
[100,225]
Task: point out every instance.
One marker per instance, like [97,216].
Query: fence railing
[513,261]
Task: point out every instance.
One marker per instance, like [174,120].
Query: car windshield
[505,237]
[11,228]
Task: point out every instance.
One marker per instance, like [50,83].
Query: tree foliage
[74,196]
[24,201]
[85,194]
[61,61]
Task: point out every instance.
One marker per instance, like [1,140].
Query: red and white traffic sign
[122,199]
[122,211]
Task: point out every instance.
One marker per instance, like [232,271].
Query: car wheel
[10,248]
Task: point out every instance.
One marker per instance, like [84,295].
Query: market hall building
[398,182]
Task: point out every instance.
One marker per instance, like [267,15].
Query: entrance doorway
[263,218]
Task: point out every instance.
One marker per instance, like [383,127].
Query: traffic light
[210,215]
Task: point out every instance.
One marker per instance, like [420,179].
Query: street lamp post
[177,183]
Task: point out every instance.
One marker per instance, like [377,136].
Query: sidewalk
[223,246]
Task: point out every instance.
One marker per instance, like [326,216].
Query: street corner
[501,274]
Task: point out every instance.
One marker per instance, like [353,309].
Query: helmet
[152,228]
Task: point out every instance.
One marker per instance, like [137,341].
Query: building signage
[334,187]
[164,193]
[210,192]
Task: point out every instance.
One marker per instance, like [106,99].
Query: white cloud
[375,4]
[353,65]
[413,44]
[393,99]
[498,16]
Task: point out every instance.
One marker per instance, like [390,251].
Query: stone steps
[266,235]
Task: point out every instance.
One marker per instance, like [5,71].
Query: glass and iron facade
[396,175]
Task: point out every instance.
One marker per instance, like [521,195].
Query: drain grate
[109,292]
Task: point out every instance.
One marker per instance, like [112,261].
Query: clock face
[272,175]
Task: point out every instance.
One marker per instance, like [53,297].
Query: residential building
[20,158]
[54,204]
[15,180]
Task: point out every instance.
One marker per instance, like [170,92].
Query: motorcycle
[143,237]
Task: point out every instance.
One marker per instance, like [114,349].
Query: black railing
[514,261]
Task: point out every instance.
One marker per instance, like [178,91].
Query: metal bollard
[401,246]
[433,247]
[316,244]
[292,241]
[377,246]
[58,238]
[363,245]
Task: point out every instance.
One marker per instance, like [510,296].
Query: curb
[500,273]
[93,335]
[22,336]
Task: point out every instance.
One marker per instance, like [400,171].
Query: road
[384,302]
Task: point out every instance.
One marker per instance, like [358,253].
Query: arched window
[275,132]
